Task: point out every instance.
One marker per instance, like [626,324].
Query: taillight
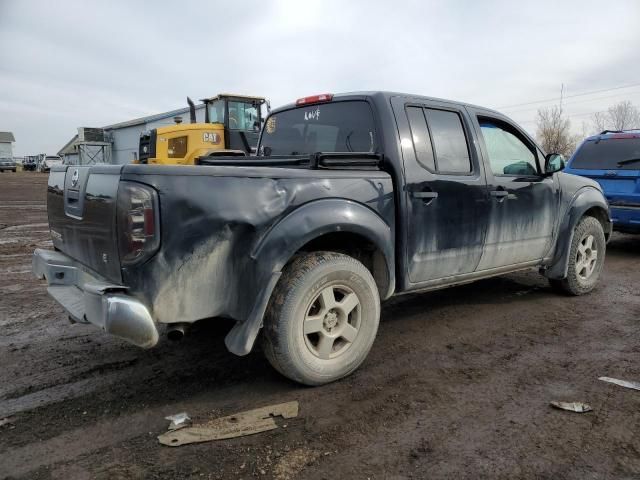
[138,222]
[324,97]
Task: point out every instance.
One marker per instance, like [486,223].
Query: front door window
[508,154]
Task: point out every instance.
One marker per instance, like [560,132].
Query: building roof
[151,118]
[68,148]
[7,137]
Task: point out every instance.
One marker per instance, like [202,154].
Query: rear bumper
[626,219]
[88,299]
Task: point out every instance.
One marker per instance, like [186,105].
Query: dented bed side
[226,241]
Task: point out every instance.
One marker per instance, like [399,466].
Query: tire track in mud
[74,443]
[57,393]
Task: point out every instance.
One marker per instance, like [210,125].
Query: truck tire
[322,318]
[586,257]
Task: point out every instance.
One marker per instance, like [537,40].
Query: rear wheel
[586,257]
[322,318]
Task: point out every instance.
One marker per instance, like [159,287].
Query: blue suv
[612,158]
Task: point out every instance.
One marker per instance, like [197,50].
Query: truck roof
[386,95]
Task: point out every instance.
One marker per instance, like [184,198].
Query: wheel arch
[334,224]
[588,201]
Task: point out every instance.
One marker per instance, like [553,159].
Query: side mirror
[554,162]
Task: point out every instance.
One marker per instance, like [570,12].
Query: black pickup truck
[351,199]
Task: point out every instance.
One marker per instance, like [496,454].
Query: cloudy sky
[66,63]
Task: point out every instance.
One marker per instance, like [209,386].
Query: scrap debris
[238,425]
[572,406]
[622,383]
[5,421]
[179,420]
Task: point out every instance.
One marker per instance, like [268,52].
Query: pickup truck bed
[213,262]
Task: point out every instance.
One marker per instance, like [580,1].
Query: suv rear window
[606,154]
[326,127]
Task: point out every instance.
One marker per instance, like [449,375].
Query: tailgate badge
[75,178]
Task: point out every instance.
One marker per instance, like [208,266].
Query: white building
[6,144]
[123,138]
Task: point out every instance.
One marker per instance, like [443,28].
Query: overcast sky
[66,64]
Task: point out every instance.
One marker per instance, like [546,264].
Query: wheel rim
[332,322]
[586,257]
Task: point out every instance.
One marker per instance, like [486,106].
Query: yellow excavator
[231,127]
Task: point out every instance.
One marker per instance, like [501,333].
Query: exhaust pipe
[177,331]
[192,110]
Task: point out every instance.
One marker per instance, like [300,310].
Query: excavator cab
[231,126]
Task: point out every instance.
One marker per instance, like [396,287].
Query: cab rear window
[326,127]
[608,154]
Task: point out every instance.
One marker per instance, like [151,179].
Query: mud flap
[243,335]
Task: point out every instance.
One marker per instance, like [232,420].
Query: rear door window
[346,126]
[421,138]
[608,154]
[439,140]
[449,141]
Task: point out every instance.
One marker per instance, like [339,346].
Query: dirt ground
[457,385]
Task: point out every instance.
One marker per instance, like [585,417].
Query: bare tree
[585,130]
[554,131]
[599,121]
[624,115]
[621,116]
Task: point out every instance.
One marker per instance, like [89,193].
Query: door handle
[499,195]
[424,194]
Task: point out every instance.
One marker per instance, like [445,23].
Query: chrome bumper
[92,300]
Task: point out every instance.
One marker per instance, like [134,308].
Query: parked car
[354,198]
[29,164]
[7,164]
[613,160]
[48,162]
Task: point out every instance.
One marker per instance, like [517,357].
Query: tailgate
[81,205]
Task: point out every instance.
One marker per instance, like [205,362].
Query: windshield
[329,127]
[216,111]
[606,154]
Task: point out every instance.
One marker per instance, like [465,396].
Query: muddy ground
[457,385]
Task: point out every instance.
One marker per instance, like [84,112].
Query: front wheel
[322,318]
[586,257]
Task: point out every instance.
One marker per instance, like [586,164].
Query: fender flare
[286,237]
[585,199]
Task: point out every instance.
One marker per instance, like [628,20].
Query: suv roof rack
[628,130]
